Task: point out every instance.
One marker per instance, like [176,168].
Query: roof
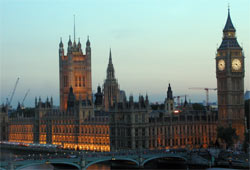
[229,25]
[229,43]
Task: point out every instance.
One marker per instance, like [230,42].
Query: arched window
[80,83]
[76,81]
[83,81]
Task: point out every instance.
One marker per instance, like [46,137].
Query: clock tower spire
[230,74]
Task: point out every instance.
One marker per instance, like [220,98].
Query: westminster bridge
[84,160]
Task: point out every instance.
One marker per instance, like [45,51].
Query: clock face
[221,65]
[236,64]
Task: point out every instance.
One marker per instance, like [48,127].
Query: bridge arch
[110,159]
[162,156]
[52,162]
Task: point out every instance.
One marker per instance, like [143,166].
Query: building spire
[61,44]
[110,56]
[229,25]
[74,30]
[88,42]
[110,69]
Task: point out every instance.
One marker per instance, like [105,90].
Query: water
[6,155]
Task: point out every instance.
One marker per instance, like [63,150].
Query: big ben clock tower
[230,74]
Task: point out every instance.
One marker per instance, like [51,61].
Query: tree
[227,135]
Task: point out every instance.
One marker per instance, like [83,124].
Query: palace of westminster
[109,121]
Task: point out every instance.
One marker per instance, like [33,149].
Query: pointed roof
[110,57]
[229,25]
[229,41]
[61,44]
[110,69]
[88,42]
[169,92]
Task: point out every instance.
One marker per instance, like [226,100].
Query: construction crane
[207,92]
[25,96]
[178,98]
[13,92]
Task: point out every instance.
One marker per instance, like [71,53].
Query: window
[143,131]
[80,84]
[76,81]
[83,81]
[143,118]
[128,132]
[136,131]
[65,81]
[136,118]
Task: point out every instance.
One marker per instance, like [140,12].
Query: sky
[153,42]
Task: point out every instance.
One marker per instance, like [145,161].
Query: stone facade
[112,122]
[230,72]
[75,71]
[79,127]
[134,125]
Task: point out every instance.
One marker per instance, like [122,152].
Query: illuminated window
[76,81]
[83,81]
[80,79]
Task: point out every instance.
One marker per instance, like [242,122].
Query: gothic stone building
[134,125]
[230,72]
[113,123]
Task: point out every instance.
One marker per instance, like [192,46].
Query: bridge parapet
[86,160]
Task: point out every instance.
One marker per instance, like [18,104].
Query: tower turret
[229,30]
[88,48]
[169,92]
[110,69]
[69,45]
[61,49]
[98,97]
[79,45]
[169,101]
[111,88]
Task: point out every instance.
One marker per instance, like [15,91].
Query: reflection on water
[99,166]
[39,167]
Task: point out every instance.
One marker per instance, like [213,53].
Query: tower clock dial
[236,64]
[221,65]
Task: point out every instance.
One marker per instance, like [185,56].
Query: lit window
[80,79]
[76,81]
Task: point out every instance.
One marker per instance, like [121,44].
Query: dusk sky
[153,42]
